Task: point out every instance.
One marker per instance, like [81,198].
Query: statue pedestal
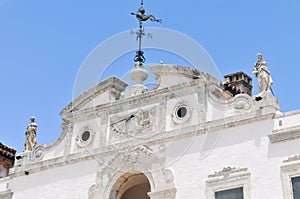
[267,101]
[23,158]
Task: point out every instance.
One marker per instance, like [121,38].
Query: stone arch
[131,184]
[138,161]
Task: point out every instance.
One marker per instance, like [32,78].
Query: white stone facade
[184,139]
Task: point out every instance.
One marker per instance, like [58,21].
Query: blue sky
[44,43]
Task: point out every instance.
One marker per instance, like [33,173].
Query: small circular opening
[85,136]
[181,112]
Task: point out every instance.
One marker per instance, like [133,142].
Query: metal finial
[141,16]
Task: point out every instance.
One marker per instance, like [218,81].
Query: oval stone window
[85,136]
[181,111]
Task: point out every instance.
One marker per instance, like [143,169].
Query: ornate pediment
[104,92]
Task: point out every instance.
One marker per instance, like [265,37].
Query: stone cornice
[285,134]
[139,100]
[111,82]
[293,159]
[158,139]
[226,171]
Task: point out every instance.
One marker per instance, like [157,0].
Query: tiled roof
[7,152]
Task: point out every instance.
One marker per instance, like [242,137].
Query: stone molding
[289,169]
[6,194]
[190,74]
[228,178]
[163,137]
[285,134]
[110,83]
[292,159]
[165,194]
[227,171]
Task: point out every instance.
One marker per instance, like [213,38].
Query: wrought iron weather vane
[140,15]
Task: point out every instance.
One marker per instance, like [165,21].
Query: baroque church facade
[191,136]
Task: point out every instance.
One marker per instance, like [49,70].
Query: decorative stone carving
[131,124]
[96,188]
[227,171]
[292,159]
[261,71]
[38,153]
[228,178]
[6,195]
[168,175]
[31,135]
[66,125]
[243,103]
[131,154]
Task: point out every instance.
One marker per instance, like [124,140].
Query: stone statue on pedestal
[31,135]
[263,74]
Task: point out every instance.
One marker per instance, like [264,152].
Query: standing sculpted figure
[31,135]
[263,74]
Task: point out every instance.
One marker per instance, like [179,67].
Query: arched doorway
[133,185]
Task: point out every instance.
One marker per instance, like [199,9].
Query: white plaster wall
[3,184]
[71,181]
[56,150]
[193,159]
[215,111]
[3,171]
[289,119]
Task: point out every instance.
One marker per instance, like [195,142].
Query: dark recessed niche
[85,136]
[181,112]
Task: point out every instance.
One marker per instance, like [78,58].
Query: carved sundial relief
[132,123]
